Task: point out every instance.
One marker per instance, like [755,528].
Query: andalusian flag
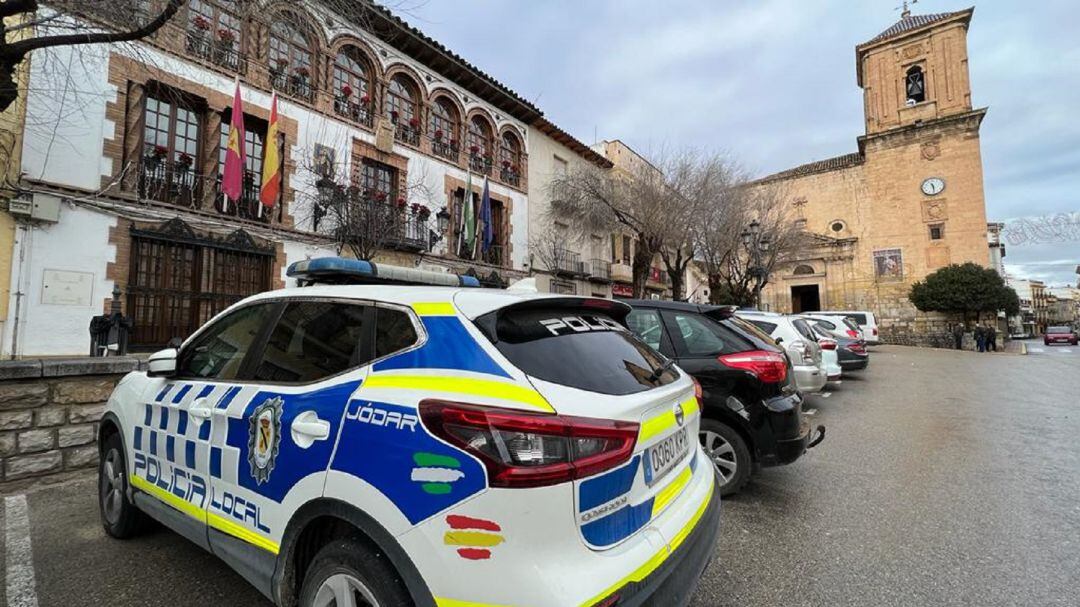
[271,169]
[232,178]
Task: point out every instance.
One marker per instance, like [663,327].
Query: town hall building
[909,200]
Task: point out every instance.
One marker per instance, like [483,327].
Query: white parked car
[866,321]
[797,338]
[417,445]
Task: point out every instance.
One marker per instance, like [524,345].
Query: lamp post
[757,245]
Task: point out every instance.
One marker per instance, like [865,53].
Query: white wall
[78,243]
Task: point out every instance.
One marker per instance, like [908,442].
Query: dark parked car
[752,411]
[851,349]
[1060,335]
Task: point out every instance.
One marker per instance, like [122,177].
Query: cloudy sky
[773,82]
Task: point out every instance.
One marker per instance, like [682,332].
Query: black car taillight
[768,367]
[523,449]
[857,347]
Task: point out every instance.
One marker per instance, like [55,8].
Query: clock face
[933,186]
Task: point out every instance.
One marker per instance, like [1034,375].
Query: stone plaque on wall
[64,288]
[384,136]
[934,210]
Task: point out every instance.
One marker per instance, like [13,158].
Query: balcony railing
[357,112]
[406,133]
[293,85]
[600,270]
[174,182]
[381,223]
[569,263]
[480,164]
[222,53]
[510,175]
[445,149]
[494,255]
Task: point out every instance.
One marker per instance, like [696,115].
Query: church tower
[915,71]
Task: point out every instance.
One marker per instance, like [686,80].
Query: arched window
[403,107]
[803,270]
[213,32]
[352,86]
[291,57]
[443,128]
[510,158]
[915,85]
[479,141]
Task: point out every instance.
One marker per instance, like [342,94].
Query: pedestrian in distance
[958,335]
[980,338]
[991,338]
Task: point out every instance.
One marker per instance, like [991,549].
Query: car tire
[729,454]
[120,517]
[347,565]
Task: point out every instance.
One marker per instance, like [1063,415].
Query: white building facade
[124,147]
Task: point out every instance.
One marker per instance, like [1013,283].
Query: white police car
[389,446]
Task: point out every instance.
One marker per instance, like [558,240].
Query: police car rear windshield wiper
[664,368]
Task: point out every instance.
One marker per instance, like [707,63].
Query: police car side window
[394,331]
[313,340]
[219,351]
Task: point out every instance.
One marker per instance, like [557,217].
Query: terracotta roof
[389,27]
[819,166]
[552,130]
[910,22]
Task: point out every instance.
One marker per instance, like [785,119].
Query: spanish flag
[271,170]
[232,178]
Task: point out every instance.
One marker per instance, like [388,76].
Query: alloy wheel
[112,486]
[721,453]
[344,590]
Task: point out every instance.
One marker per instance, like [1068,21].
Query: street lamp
[756,245]
[442,224]
[325,189]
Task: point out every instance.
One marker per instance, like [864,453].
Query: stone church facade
[909,201]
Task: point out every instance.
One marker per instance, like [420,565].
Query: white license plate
[666,454]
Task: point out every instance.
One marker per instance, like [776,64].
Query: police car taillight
[523,449]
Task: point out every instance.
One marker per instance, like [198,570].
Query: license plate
[666,454]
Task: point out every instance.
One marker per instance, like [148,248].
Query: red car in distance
[1060,335]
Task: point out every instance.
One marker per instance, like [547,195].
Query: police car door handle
[308,428]
[199,409]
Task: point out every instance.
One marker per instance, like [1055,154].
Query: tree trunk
[678,286]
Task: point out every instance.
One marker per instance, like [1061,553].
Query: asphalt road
[946,478]
[1036,347]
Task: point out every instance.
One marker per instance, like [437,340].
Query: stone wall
[49,413]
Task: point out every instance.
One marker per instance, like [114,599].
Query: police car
[399,445]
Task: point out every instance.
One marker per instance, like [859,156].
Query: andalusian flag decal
[436,473]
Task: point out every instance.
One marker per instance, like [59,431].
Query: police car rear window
[583,350]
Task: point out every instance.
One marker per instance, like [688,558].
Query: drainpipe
[23,235]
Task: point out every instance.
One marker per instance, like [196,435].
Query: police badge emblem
[264,439]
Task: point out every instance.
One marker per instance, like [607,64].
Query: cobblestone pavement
[947,478]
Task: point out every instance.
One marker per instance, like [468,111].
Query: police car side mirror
[162,363]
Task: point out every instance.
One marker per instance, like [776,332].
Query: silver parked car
[796,336]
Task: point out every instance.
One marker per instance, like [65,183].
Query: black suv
[752,411]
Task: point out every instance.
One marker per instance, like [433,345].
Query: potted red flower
[506,164]
[346,91]
[474,149]
[160,151]
[226,36]
[414,122]
[302,71]
[365,100]
[416,206]
[438,134]
[424,213]
[401,202]
[201,23]
[393,116]
[380,196]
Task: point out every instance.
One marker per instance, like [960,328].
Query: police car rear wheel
[345,573]
[120,518]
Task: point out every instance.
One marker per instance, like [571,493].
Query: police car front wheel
[119,516]
[345,573]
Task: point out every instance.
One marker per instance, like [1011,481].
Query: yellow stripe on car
[657,559]
[472,538]
[669,493]
[444,602]
[460,385]
[434,309]
[662,422]
[213,520]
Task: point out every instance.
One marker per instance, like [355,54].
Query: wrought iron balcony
[406,133]
[495,255]
[382,224]
[357,112]
[221,52]
[164,179]
[600,270]
[480,164]
[445,149]
[295,85]
[568,263]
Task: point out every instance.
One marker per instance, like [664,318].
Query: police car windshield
[583,350]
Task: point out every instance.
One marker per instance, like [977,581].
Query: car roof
[471,302]
[663,304]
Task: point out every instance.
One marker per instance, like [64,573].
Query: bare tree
[549,245]
[128,16]
[734,273]
[597,200]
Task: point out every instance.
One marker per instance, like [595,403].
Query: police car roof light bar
[342,271]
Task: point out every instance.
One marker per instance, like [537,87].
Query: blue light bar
[339,270]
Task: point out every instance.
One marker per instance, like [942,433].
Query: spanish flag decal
[474,536]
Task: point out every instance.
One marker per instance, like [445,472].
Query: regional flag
[468,217]
[232,178]
[271,169]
